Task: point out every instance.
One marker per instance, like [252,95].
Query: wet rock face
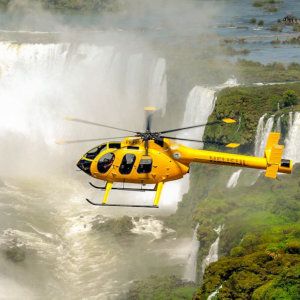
[118,226]
[15,252]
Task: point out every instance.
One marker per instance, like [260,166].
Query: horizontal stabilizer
[232,145]
[229,120]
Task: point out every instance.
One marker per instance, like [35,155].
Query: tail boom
[272,161]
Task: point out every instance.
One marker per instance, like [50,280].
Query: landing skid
[121,205]
[123,188]
[109,186]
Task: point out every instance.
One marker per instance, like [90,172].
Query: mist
[104,68]
[105,76]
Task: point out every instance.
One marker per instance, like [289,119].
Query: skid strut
[109,186]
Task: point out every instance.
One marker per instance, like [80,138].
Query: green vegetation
[249,72]
[268,5]
[91,6]
[232,51]
[161,288]
[248,104]
[276,27]
[260,240]
[259,244]
[260,23]
[296,27]
[293,41]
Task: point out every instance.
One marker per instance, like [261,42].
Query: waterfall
[259,134]
[292,150]
[40,84]
[190,272]
[278,124]
[262,133]
[233,180]
[199,105]
[213,251]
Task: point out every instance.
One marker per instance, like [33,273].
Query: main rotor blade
[226,120]
[228,145]
[98,124]
[62,142]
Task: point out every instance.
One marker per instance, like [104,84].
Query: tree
[289,98]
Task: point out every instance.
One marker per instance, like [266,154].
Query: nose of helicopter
[85,166]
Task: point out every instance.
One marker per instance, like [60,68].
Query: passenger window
[105,162]
[95,151]
[127,164]
[145,166]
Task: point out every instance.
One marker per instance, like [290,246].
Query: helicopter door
[127,164]
[145,165]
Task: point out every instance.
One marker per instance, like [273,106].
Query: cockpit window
[127,163]
[105,162]
[114,145]
[95,151]
[145,166]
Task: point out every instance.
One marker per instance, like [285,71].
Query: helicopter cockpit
[104,162]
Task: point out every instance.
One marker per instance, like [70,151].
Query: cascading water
[278,124]
[293,139]
[233,180]
[213,251]
[199,106]
[190,273]
[262,134]
[49,248]
[55,76]
[259,134]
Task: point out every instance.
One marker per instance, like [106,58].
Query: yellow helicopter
[154,158]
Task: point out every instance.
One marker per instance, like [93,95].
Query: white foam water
[150,226]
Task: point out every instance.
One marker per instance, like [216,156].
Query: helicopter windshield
[95,151]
